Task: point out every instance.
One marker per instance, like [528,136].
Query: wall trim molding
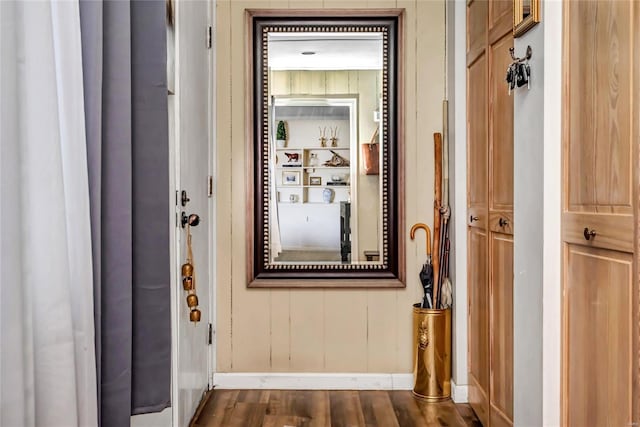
[312,381]
[459,393]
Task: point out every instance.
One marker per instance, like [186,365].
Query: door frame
[175,210]
[212,93]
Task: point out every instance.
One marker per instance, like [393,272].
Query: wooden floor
[290,408]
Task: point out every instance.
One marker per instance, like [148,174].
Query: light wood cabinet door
[600,213]
[490,211]
[477,207]
[501,223]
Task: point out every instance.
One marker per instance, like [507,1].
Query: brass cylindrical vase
[431,353]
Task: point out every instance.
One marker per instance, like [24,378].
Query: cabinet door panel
[478,296]
[599,133]
[476,29]
[501,284]
[598,315]
[500,129]
[477,148]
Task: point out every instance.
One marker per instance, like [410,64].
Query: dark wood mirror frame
[389,273]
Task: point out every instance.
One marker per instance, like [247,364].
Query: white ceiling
[333,51]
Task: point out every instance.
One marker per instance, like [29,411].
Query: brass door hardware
[588,234]
[188,270]
[192,220]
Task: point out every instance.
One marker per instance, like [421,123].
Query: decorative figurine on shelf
[313,159]
[323,138]
[327,195]
[281,134]
[334,136]
[336,160]
[292,157]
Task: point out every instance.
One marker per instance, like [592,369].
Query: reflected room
[324,135]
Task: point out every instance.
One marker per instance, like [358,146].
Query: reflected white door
[191,132]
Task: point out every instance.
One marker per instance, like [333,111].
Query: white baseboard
[312,381]
[459,393]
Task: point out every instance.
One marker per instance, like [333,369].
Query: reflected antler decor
[334,136]
[323,138]
[336,160]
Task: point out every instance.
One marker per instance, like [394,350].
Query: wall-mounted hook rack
[526,57]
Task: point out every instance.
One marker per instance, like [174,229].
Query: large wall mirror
[324,202]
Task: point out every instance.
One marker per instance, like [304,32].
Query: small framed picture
[290,177]
[315,180]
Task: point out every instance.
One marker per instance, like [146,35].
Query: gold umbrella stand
[432,353]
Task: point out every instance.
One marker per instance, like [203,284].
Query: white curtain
[47,357]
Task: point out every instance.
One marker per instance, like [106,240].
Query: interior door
[192,142]
[600,192]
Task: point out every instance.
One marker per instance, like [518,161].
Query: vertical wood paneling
[307,331]
[251,310]
[223,192]
[345,320]
[280,330]
[318,82]
[414,135]
[320,330]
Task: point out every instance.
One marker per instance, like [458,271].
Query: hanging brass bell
[187,283]
[192,300]
[194,315]
[187,269]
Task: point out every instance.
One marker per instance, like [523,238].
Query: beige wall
[321,330]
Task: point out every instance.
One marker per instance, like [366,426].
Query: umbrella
[426,274]
[444,283]
[437,220]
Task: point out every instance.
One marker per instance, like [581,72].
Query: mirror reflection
[324,162]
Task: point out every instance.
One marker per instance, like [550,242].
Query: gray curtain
[124,64]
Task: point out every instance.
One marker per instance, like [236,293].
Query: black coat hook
[526,58]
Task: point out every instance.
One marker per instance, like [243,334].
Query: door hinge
[210,333]
[210,186]
[209,36]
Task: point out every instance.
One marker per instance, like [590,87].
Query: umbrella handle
[425,227]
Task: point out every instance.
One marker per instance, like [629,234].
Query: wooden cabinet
[601,136]
[490,211]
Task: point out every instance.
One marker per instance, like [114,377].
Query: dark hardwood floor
[293,408]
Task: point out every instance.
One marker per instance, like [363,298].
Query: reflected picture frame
[521,22]
[290,177]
